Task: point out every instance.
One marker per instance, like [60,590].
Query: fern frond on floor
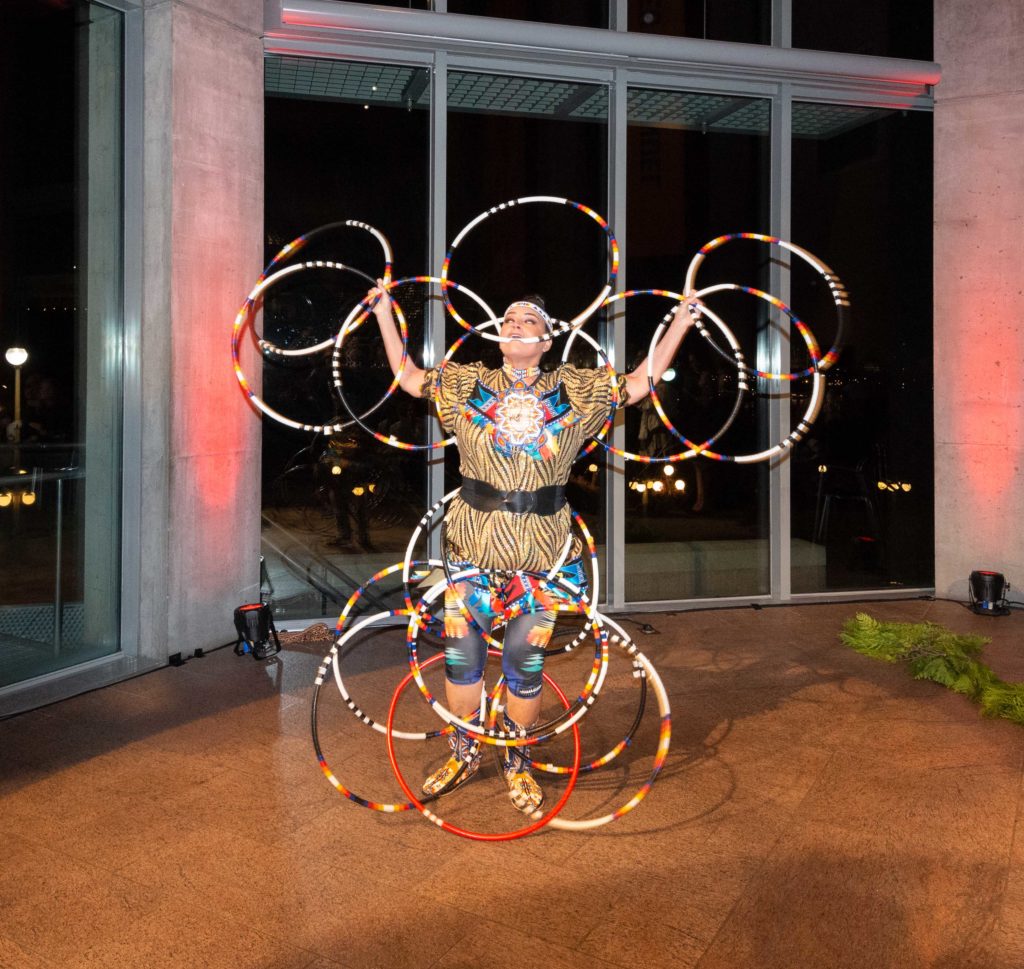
[934,653]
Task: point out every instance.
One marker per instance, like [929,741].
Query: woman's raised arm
[664,352]
[412,376]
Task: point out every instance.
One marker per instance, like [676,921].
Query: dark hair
[538,300]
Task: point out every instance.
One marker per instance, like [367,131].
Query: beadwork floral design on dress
[519,418]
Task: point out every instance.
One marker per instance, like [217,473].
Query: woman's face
[523,322]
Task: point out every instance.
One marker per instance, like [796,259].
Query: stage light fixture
[254,624]
[988,593]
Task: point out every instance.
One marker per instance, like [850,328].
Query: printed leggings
[488,599]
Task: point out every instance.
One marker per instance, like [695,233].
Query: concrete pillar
[99,385]
[979,293]
[203,221]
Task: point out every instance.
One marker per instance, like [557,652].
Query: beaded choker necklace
[517,373]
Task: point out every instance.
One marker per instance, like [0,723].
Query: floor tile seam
[87,865]
[741,894]
[461,940]
[888,767]
[577,948]
[903,772]
[1011,845]
[30,950]
[174,906]
[475,914]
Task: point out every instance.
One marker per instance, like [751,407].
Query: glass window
[407,4]
[574,13]
[862,481]
[886,28]
[345,140]
[697,168]
[512,137]
[742,21]
[61,326]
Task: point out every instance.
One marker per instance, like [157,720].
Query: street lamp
[16,357]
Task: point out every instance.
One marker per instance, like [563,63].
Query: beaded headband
[533,306]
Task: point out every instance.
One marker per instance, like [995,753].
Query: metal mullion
[618,15]
[438,234]
[782,23]
[131,387]
[780,222]
[615,477]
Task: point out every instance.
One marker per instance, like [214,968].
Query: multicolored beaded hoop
[355,317]
[693,449]
[296,246]
[245,315]
[438,574]
[840,298]
[556,326]
[479,835]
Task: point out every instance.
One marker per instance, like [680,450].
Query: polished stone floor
[818,809]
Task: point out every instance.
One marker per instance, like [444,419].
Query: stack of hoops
[416,611]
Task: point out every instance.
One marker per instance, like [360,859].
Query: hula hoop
[293,247]
[595,582]
[661,754]
[424,564]
[335,781]
[244,316]
[352,323]
[840,296]
[595,578]
[271,349]
[558,326]
[464,832]
[639,674]
[384,807]
[803,425]
[333,661]
[805,331]
[502,738]
[741,386]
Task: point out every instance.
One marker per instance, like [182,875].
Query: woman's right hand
[382,308]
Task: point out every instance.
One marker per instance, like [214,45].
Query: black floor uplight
[254,624]
[988,593]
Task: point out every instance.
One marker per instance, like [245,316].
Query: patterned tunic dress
[518,437]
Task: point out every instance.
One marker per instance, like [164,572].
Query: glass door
[61,324]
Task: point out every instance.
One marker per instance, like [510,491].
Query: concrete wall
[979,293]
[203,220]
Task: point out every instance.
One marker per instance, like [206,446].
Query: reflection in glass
[61,304]
[510,137]
[885,28]
[574,13]
[698,167]
[742,21]
[862,481]
[344,141]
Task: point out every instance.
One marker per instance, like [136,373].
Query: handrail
[303,571]
[38,477]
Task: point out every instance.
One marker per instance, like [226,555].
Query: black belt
[483,497]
